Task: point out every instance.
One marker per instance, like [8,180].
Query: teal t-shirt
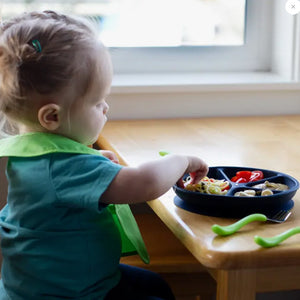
[57,241]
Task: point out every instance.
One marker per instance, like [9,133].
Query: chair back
[3,189]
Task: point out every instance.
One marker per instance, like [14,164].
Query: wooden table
[240,267]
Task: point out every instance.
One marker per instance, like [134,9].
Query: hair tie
[37,46]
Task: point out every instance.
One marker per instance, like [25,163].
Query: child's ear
[49,116]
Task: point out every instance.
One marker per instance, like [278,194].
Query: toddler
[67,222]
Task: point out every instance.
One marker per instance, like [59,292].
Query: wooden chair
[3,191]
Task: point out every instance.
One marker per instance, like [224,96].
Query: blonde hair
[65,58]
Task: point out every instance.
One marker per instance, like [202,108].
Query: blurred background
[151,23]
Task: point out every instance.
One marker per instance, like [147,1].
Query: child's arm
[152,179]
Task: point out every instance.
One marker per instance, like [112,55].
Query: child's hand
[197,167]
[110,155]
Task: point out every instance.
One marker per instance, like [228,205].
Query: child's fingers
[200,173]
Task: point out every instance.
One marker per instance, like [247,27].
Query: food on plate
[272,186]
[266,192]
[252,193]
[220,186]
[247,176]
[245,193]
[208,186]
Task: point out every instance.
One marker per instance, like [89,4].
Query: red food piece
[256,175]
[226,188]
[234,178]
[242,180]
[244,174]
[247,176]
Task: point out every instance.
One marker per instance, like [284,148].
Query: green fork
[279,217]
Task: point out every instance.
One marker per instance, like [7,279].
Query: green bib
[37,144]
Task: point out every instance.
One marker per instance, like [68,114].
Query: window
[152,23]
[253,75]
[149,36]
[250,55]
[174,23]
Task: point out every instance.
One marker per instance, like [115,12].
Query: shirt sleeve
[80,180]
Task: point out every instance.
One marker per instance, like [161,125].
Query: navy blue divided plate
[238,206]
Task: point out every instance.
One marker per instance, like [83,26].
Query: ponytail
[43,54]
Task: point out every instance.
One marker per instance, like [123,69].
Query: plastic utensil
[230,229]
[275,240]
[280,217]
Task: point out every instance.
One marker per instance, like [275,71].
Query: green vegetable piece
[230,229]
[214,190]
[163,153]
[275,240]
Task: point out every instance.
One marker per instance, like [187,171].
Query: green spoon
[230,229]
[275,240]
